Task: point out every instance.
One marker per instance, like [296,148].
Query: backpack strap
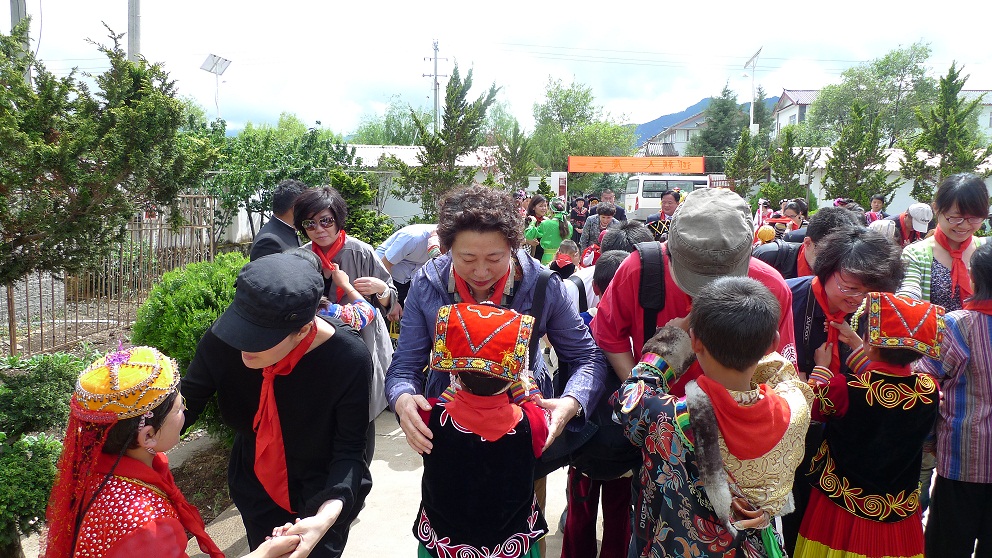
[537,307]
[583,302]
[651,292]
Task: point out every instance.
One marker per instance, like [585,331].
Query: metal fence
[46,312]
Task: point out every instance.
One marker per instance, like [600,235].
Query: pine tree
[745,164]
[947,143]
[724,121]
[856,166]
[461,133]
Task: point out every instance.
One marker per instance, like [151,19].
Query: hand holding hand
[562,410]
[310,530]
[417,433]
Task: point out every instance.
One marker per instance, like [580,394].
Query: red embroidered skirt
[830,531]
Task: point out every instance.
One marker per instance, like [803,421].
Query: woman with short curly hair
[481,232]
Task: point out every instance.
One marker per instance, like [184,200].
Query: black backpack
[600,450]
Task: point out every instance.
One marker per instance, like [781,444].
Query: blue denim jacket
[560,321]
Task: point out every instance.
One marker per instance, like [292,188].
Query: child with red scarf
[865,476]
[114,495]
[961,509]
[718,462]
[478,486]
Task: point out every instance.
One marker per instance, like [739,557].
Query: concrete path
[384,527]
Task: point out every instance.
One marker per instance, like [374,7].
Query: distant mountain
[645,131]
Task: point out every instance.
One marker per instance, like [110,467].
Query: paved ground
[384,527]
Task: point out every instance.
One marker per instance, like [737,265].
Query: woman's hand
[310,530]
[279,545]
[847,335]
[823,355]
[371,286]
[745,517]
[562,410]
[417,434]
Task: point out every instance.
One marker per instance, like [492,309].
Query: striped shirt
[964,371]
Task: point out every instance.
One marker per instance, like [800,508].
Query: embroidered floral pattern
[878,507]
[891,395]
[516,545]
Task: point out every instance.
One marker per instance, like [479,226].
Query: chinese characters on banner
[688,165]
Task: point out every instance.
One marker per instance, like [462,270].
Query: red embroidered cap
[481,338]
[900,322]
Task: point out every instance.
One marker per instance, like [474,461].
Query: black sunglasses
[324,222]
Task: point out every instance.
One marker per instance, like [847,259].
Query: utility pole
[437,85]
[752,63]
[18,12]
[133,30]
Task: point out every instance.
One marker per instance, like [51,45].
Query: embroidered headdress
[121,385]
[899,322]
[481,338]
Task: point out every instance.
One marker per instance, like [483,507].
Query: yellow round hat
[128,382]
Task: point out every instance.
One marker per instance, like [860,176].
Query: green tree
[568,122]
[544,189]
[461,133]
[892,88]
[947,143]
[763,117]
[394,127]
[79,158]
[515,158]
[258,158]
[788,164]
[724,122]
[746,164]
[856,166]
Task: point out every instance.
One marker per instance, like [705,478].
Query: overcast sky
[334,62]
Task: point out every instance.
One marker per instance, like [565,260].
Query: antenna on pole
[216,66]
[751,64]
[437,84]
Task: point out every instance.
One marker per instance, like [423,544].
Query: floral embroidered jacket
[683,490]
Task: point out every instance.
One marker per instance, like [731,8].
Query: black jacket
[781,255]
[274,237]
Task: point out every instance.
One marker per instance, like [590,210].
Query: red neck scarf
[491,417]
[959,272]
[749,431]
[332,250]
[159,476]
[892,369]
[325,257]
[495,292]
[270,453]
[802,266]
[833,334]
[981,306]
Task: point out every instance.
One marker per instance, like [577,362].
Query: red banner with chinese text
[654,165]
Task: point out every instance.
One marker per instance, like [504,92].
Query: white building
[672,141]
[791,107]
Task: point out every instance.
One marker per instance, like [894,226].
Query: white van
[642,198]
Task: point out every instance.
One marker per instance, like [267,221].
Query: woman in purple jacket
[481,232]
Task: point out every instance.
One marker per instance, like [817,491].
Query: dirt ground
[202,478]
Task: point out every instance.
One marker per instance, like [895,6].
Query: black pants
[801,488]
[960,514]
[402,289]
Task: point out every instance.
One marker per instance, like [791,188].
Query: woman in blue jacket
[481,232]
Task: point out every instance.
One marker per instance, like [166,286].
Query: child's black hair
[736,319]
[481,384]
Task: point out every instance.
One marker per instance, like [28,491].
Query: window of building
[792,119]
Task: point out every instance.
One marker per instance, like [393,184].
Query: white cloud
[335,62]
